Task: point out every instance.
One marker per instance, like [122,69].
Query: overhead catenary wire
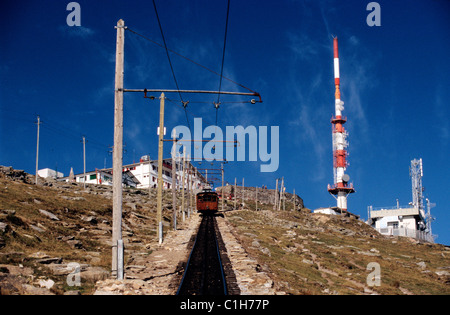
[164,45]
[190,60]
[223,52]
[167,51]
[170,63]
[221,76]
[217,104]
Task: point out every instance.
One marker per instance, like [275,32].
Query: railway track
[205,273]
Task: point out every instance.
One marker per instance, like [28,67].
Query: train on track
[207,201]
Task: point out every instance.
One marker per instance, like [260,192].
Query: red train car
[207,201]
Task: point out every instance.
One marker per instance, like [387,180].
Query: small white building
[146,172]
[329,210]
[335,211]
[46,173]
[406,221]
[144,175]
[98,177]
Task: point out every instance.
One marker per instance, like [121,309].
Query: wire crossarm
[145,91]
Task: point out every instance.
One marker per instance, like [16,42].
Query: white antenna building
[410,220]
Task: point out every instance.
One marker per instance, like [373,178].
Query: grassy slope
[308,254]
[320,254]
[71,204]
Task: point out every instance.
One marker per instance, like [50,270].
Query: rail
[204,274]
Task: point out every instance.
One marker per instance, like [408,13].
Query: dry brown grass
[307,253]
[319,254]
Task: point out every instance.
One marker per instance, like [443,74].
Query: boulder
[9,212]
[75,244]
[49,215]
[50,260]
[37,228]
[48,284]
[422,265]
[90,219]
[94,274]
[4,227]
[31,290]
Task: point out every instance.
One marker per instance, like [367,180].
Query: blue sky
[394,82]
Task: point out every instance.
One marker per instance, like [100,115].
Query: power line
[17,115]
[54,129]
[190,60]
[196,63]
[167,51]
[185,111]
[223,52]
[221,77]
[217,104]
[170,63]
[50,125]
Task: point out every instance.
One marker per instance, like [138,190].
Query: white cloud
[303,47]
[309,121]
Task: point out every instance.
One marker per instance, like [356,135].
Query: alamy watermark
[74,277]
[374,17]
[74,17]
[373,278]
[223,145]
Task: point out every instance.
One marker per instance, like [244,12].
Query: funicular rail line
[204,273]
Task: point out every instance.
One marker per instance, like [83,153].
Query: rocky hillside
[265,197]
[322,254]
[48,230]
[45,228]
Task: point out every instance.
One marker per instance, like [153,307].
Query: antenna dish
[345,178]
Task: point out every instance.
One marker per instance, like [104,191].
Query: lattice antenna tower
[429,218]
[416,173]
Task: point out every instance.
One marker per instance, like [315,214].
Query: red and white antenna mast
[341,187]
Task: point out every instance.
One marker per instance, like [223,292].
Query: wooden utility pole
[183,185]
[294,200]
[149,179]
[243,192]
[118,150]
[188,185]
[275,204]
[192,195]
[160,170]
[256,198]
[235,193]
[281,194]
[223,192]
[84,161]
[174,184]
[37,148]
[188,174]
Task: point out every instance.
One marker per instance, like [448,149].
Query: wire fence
[392,207]
[417,234]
